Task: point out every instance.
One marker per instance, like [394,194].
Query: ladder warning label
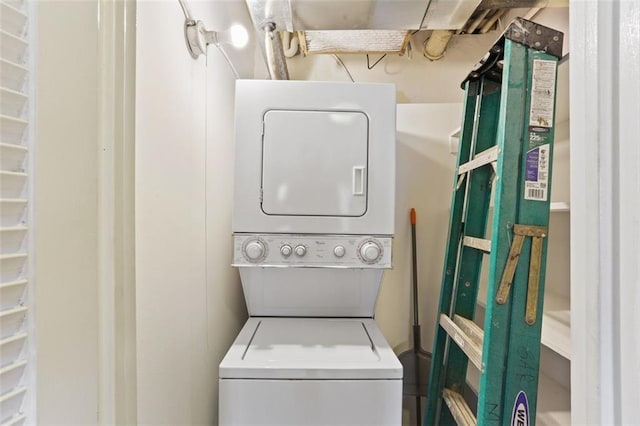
[543,89]
[537,174]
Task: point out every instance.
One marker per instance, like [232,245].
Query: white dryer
[314,157]
[313,224]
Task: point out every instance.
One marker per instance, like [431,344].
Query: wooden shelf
[556,321]
[559,206]
[554,206]
[556,324]
[554,403]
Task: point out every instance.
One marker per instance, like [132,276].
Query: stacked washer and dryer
[313,222]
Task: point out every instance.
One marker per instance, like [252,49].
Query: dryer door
[315,163]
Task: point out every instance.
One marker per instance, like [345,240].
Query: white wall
[66,212]
[425,168]
[189,300]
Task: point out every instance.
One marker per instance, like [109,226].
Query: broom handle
[414,267]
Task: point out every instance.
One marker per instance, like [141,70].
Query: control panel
[320,251]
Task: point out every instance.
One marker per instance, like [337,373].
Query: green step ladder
[505,149]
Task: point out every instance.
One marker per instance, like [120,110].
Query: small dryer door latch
[358,180]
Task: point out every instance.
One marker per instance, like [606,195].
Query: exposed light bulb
[239,36]
[235,36]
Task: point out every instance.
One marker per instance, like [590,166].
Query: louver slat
[14,201]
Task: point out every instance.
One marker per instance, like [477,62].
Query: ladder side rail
[475,224]
[523,366]
[497,317]
[434,394]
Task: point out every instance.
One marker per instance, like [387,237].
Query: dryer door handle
[358,180]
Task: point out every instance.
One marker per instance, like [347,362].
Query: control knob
[300,250]
[370,251]
[339,251]
[254,250]
[286,250]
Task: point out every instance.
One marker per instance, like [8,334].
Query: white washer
[313,220]
[310,371]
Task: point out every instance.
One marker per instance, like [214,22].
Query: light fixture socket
[198,37]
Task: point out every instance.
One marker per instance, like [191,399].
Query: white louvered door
[15,201]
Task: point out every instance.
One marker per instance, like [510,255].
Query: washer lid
[310,348]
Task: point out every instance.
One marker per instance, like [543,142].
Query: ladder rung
[472,329]
[485,157]
[468,338]
[477,243]
[459,408]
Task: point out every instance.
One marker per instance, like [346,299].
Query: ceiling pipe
[276,61]
[476,22]
[436,44]
[492,21]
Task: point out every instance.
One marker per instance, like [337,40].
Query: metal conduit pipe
[491,21]
[276,61]
[476,22]
[436,44]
